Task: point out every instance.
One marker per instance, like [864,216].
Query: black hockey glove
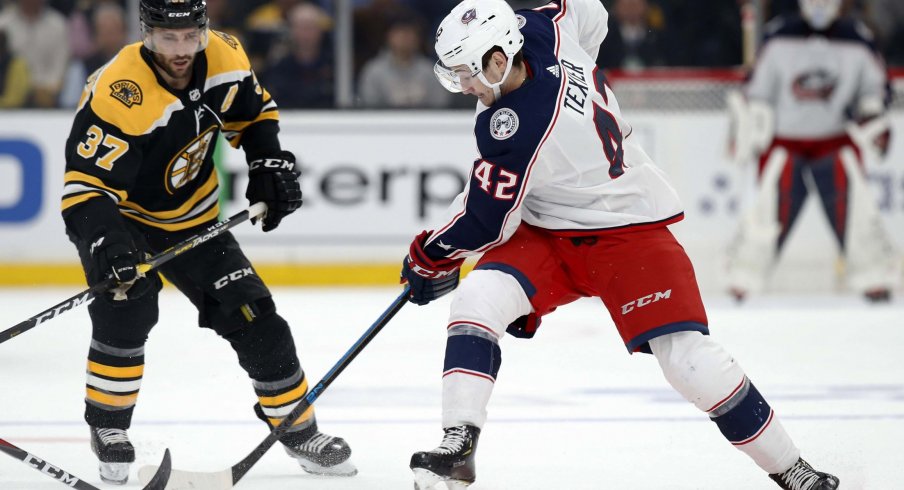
[429,278]
[274,182]
[114,254]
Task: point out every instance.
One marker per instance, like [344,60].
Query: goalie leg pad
[707,376]
[868,249]
[753,250]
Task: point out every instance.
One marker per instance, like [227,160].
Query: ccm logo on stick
[644,301]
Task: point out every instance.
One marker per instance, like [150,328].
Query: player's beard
[168,65]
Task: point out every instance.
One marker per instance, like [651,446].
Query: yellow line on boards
[332,274]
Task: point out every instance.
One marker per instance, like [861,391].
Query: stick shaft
[241,468]
[45,467]
[152,263]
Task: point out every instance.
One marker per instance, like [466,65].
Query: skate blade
[346,468]
[114,473]
[427,480]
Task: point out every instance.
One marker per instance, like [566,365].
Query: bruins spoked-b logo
[127,92]
[503,123]
[185,166]
[226,38]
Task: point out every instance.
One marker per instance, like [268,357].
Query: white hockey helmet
[471,29]
[820,13]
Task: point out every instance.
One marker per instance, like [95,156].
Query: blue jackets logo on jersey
[503,124]
[815,85]
[127,92]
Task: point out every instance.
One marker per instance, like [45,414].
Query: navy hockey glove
[429,278]
[114,254]
[274,182]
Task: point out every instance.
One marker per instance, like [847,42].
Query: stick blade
[189,480]
[157,478]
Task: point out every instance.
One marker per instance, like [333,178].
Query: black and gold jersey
[142,150]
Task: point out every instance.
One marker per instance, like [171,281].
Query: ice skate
[878,295]
[319,453]
[114,452]
[738,294]
[452,462]
[316,452]
[802,476]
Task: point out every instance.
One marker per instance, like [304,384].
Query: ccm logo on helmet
[644,301]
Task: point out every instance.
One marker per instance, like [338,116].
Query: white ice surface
[571,409]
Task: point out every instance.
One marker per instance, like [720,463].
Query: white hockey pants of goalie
[697,367]
[869,255]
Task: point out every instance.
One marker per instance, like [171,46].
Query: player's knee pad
[489,300]
[265,347]
[125,322]
[697,367]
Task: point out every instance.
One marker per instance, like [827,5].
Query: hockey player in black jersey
[140,178]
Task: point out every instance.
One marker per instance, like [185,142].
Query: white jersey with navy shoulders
[556,153]
[816,81]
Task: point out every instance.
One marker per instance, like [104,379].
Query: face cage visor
[174,42]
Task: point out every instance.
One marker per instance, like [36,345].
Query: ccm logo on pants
[644,301]
[233,276]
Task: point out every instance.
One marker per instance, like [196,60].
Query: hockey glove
[274,181]
[429,278]
[114,254]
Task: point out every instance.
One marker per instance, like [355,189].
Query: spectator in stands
[37,33]
[704,33]
[13,77]
[221,14]
[370,23]
[108,25]
[265,27]
[304,77]
[633,41]
[887,18]
[401,76]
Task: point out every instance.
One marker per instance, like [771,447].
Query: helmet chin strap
[497,87]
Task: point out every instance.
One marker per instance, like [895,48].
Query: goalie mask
[820,14]
[472,29]
[174,27]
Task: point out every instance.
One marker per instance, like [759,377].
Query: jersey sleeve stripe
[74,176]
[72,201]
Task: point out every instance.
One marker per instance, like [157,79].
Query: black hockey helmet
[159,15]
[173,14]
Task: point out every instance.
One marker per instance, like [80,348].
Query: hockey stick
[154,262]
[225,479]
[158,482]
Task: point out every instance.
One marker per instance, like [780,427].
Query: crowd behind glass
[49,47]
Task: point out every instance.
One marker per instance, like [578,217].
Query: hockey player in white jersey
[820,84]
[564,204]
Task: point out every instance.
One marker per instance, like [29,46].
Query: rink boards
[372,180]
